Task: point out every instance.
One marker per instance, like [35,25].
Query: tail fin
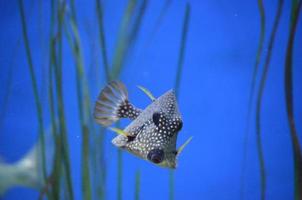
[109,102]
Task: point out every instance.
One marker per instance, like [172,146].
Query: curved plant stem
[83,101]
[123,40]
[119,174]
[182,48]
[34,87]
[288,83]
[61,6]
[260,98]
[251,95]
[99,9]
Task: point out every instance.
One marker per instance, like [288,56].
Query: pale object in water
[27,172]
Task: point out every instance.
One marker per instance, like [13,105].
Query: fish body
[152,135]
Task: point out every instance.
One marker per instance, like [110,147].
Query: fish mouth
[168,164]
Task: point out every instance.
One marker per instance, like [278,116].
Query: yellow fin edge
[181,148]
[119,131]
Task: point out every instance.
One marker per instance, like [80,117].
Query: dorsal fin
[147,92]
[181,148]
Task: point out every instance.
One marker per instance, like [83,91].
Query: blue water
[220,55]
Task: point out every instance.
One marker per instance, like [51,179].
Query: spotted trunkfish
[152,134]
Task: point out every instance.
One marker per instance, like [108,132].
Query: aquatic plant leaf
[137,185]
[99,10]
[260,98]
[83,102]
[123,40]
[62,166]
[38,103]
[251,93]
[182,48]
[147,92]
[288,84]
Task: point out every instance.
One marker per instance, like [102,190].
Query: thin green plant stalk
[34,87]
[137,185]
[260,99]
[56,173]
[251,95]
[119,174]
[99,11]
[56,185]
[180,64]
[101,137]
[138,22]
[58,74]
[84,103]
[123,40]
[288,85]
[101,186]
[182,49]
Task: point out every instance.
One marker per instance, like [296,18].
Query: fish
[28,170]
[152,133]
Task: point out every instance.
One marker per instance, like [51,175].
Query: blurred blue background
[220,54]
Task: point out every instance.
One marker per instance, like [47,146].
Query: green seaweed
[83,100]
[56,170]
[182,48]
[101,137]
[61,10]
[288,84]
[99,9]
[123,40]
[137,185]
[119,174]
[34,87]
[260,99]
[180,64]
[252,92]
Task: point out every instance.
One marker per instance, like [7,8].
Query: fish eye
[156,117]
[156,156]
[179,126]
